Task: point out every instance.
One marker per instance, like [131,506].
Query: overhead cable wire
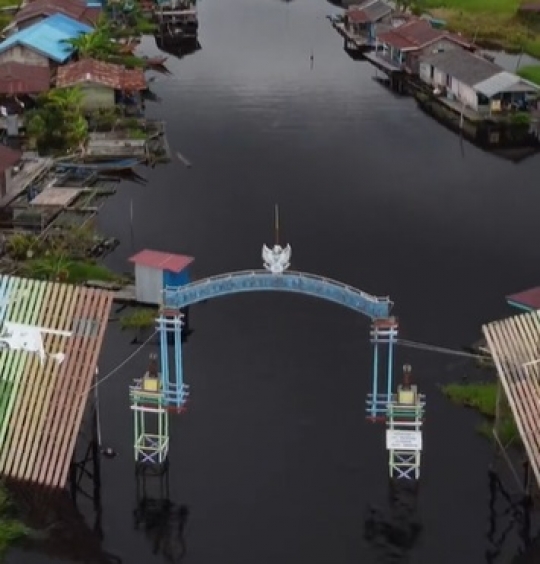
[121,365]
[403,342]
[441,350]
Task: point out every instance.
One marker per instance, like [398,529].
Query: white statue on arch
[276,259]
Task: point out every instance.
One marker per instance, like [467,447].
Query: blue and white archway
[384,329]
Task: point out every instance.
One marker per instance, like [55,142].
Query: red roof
[357,15]
[162,261]
[8,157]
[18,78]
[75,9]
[99,72]
[417,34]
[528,299]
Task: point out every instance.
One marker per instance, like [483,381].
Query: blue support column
[383,332]
[175,392]
[391,332]
[164,350]
[390,371]
[179,397]
[375,384]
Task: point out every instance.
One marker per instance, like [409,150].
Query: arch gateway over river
[174,393]
[274,277]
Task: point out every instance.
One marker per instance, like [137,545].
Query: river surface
[274,458]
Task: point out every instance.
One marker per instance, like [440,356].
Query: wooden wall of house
[3,187]
[462,92]
[21,54]
[97,96]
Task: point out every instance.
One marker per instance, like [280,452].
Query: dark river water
[274,458]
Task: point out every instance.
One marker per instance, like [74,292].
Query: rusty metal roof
[50,339]
[162,261]
[99,72]
[75,9]
[416,34]
[8,157]
[370,11]
[18,78]
[527,299]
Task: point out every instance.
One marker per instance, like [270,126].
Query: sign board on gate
[403,440]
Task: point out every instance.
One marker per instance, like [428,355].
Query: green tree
[57,124]
[97,44]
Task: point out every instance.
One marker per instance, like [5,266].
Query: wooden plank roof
[50,339]
[514,344]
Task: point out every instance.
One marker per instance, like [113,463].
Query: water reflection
[178,49]
[59,529]
[394,531]
[162,520]
[506,514]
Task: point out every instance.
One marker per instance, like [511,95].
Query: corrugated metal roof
[49,37]
[17,78]
[462,65]
[99,72]
[50,336]
[528,299]
[369,11]
[162,261]
[8,157]
[418,33]
[71,8]
[503,82]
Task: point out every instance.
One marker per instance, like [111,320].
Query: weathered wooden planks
[42,400]
[514,344]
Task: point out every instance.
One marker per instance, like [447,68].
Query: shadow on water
[178,49]
[393,531]
[162,520]
[58,528]
[507,513]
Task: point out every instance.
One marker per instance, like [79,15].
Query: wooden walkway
[514,344]
[50,340]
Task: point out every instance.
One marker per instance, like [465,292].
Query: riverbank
[482,397]
[11,530]
[494,24]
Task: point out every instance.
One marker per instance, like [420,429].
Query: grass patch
[530,72]
[492,23]
[83,271]
[474,6]
[11,530]
[139,319]
[483,398]
[71,271]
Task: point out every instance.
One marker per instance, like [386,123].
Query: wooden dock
[51,338]
[124,294]
[31,171]
[353,42]
[56,197]
[514,344]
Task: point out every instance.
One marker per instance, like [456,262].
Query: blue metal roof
[48,37]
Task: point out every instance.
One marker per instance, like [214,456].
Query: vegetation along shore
[497,24]
[482,397]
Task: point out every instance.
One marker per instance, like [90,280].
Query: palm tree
[66,99]
[97,45]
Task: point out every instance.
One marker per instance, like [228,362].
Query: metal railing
[284,281]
